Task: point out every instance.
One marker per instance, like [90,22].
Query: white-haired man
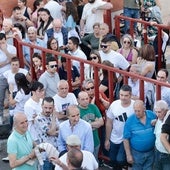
[32,39]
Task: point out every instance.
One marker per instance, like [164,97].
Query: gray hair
[86,82]
[60,82]
[32,29]
[162,104]
[137,68]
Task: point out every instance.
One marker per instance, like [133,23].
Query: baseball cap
[73,140]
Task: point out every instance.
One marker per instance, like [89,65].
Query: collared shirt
[26,50]
[140,136]
[82,129]
[21,145]
[43,124]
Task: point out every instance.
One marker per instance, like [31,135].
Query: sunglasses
[93,58]
[52,66]
[103,46]
[126,42]
[90,88]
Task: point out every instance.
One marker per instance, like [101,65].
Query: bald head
[74,158]
[83,99]
[139,108]
[20,123]
[57,24]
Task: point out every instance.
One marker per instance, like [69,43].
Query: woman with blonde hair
[128,50]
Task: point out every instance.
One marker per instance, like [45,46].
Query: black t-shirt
[166,127]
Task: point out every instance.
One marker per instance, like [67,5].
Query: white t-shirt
[61,103]
[55,9]
[89,161]
[32,108]
[115,58]
[157,132]
[11,77]
[119,116]
[91,18]
[12,50]
[21,99]
[80,54]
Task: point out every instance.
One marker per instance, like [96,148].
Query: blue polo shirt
[141,136]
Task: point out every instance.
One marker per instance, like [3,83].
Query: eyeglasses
[103,46]
[126,42]
[90,88]
[93,58]
[52,66]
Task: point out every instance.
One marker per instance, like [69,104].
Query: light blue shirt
[70,23]
[82,129]
[26,50]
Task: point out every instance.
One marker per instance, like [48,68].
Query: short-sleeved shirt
[11,77]
[32,108]
[90,114]
[90,17]
[43,124]
[21,99]
[115,58]
[141,136]
[61,103]
[89,161]
[21,145]
[11,49]
[166,127]
[119,115]
[50,83]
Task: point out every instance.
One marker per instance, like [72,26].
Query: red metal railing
[19,44]
[145,25]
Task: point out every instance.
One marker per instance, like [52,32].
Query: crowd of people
[129,131]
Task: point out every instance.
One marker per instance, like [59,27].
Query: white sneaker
[6,159]
[1,120]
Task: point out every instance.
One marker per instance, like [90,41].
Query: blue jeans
[47,165]
[143,160]
[132,13]
[3,88]
[162,161]
[117,153]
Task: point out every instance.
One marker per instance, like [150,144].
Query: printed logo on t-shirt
[122,117]
[64,107]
